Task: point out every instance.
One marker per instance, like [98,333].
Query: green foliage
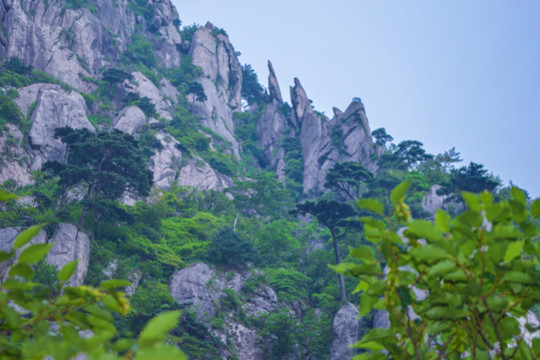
[411,152]
[140,51]
[252,91]
[264,195]
[141,8]
[471,178]
[143,103]
[77,4]
[230,248]
[27,330]
[280,331]
[381,137]
[453,288]
[188,31]
[276,244]
[9,110]
[347,179]
[152,297]
[288,283]
[109,164]
[190,238]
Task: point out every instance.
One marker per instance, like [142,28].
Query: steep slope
[127,66]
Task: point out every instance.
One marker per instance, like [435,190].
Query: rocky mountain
[229,160]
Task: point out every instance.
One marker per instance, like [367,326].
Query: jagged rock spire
[300,103]
[273,85]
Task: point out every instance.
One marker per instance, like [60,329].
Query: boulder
[129,120]
[345,329]
[190,286]
[247,342]
[143,86]
[70,244]
[55,108]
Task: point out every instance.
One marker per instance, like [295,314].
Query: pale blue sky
[448,73]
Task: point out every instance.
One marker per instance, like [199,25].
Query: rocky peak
[273,85]
[300,103]
[221,81]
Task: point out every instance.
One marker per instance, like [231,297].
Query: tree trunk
[338,261]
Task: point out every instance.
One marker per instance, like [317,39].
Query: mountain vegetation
[159,159]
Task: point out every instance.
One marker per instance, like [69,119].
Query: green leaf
[5,255]
[429,254]
[442,219]
[114,283]
[518,277]
[363,252]
[535,208]
[471,200]
[22,270]
[158,328]
[398,194]
[424,229]
[27,235]
[371,205]
[6,195]
[35,253]
[442,268]
[67,271]
[366,304]
[514,250]
[519,195]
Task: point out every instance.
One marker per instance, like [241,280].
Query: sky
[447,73]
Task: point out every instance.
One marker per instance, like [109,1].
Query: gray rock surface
[380,319]
[273,127]
[129,120]
[8,235]
[72,43]
[55,108]
[166,162]
[345,328]
[14,160]
[221,81]
[70,244]
[325,142]
[202,176]
[247,342]
[66,42]
[432,201]
[146,88]
[190,286]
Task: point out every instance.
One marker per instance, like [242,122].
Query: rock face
[346,328]
[56,108]
[129,120]
[273,126]
[72,43]
[221,81]
[190,286]
[247,342]
[432,201]
[146,88]
[70,244]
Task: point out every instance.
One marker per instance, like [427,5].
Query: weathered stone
[189,286]
[129,120]
[202,176]
[70,244]
[166,162]
[221,81]
[146,88]
[273,85]
[55,108]
[14,160]
[346,328]
[432,201]
[380,319]
[8,235]
[247,342]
